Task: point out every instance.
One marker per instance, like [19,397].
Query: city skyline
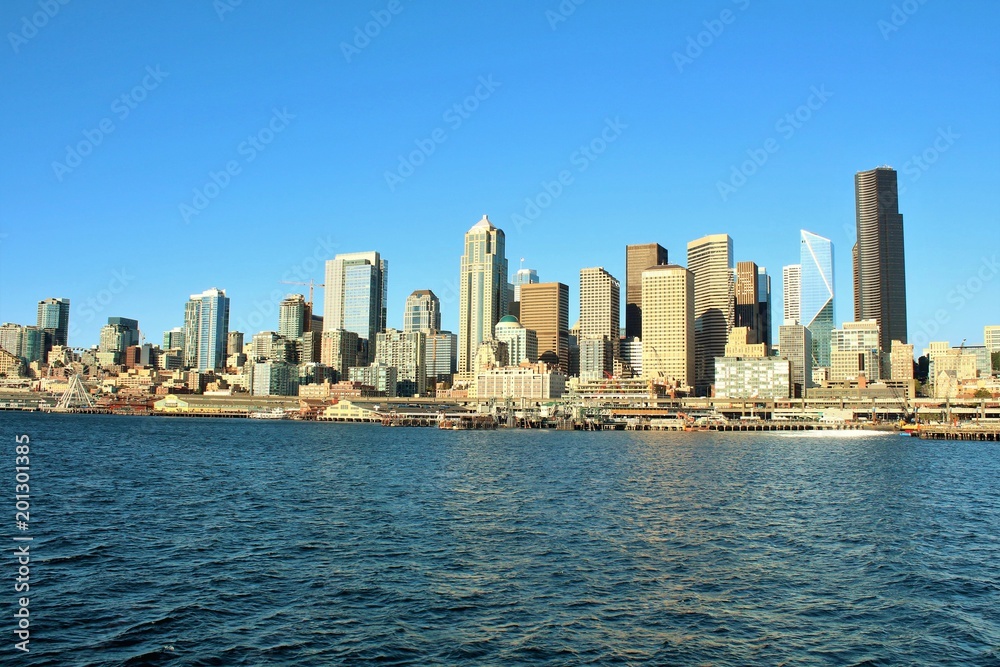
[320,169]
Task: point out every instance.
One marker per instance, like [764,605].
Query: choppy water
[236,542]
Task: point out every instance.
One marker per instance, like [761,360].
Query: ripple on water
[205,542]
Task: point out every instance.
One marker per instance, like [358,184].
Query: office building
[293,316]
[878,257]
[740,344]
[355,298]
[339,351]
[752,292]
[522,344]
[545,310]
[901,361]
[536,382]
[767,378]
[53,318]
[381,377]
[817,298]
[422,312]
[991,337]
[710,259]
[600,314]
[206,330]
[791,286]
[631,355]
[854,351]
[234,342]
[274,378]
[668,325]
[638,258]
[795,343]
[404,351]
[597,358]
[174,339]
[482,289]
[441,356]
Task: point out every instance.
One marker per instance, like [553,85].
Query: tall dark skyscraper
[53,318]
[638,258]
[879,266]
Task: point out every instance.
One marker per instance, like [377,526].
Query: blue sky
[234,145]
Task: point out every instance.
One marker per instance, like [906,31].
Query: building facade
[404,351]
[710,259]
[638,258]
[600,313]
[668,325]
[53,318]
[339,351]
[206,329]
[355,298]
[761,378]
[482,289]
[422,312]
[522,343]
[534,383]
[791,290]
[901,361]
[854,351]
[817,293]
[795,343]
[545,310]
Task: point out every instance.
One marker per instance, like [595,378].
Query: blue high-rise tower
[817,306]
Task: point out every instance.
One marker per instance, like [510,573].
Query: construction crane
[311,284]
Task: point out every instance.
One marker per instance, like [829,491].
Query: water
[238,542]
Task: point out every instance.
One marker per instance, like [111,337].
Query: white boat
[273,413]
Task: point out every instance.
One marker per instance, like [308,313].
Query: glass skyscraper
[483,289]
[53,317]
[355,296]
[206,328]
[816,299]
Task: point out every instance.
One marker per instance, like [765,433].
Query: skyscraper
[207,316]
[522,277]
[747,291]
[765,331]
[795,343]
[668,324]
[791,286]
[545,309]
[293,316]
[600,312]
[816,300]
[638,258]
[53,317]
[879,263]
[710,259]
[355,296]
[422,312]
[405,351]
[173,339]
[483,289]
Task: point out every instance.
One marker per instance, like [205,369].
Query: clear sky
[116,116]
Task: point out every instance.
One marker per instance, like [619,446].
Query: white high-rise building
[404,351]
[791,286]
[483,289]
[668,324]
[991,338]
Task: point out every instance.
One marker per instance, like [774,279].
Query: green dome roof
[510,319]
